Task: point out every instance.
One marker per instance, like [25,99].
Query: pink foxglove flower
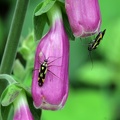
[22,111]
[50,85]
[84,16]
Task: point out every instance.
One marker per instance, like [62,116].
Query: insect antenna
[53,74]
[53,60]
[91,59]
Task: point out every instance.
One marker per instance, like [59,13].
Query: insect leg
[35,69]
[53,65]
[91,58]
[53,73]
[54,60]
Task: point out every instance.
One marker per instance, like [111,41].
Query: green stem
[12,42]
[54,13]
[13,37]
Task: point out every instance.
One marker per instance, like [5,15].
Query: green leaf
[26,88]
[5,112]
[27,47]
[28,78]
[23,87]
[0,113]
[65,20]
[40,17]
[9,78]
[62,1]
[67,27]
[35,112]
[44,7]
[18,70]
[9,94]
[39,24]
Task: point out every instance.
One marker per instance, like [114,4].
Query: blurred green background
[94,92]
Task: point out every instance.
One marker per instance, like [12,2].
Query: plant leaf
[27,89]
[5,112]
[9,94]
[35,112]
[44,7]
[7,77]
[18,70]
[39,24]
[67,27]
[40,17]
[65,20]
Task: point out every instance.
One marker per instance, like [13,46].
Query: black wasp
[44,69]
[93,44]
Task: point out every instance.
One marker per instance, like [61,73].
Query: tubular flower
[22,111]
[84,16]
[53,49]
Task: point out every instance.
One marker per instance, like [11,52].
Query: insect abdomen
[41,76]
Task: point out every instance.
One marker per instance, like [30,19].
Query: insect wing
[100,36]
[93,45]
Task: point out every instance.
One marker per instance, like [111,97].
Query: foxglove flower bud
[84,16]
[53,48]
[22,111]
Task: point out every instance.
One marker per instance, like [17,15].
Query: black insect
[42,72]
[44,69]
[93,44]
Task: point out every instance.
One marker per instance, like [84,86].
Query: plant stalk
[13,37]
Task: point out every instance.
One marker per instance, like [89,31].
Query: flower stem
[13,37]
[12,42]
[54,13]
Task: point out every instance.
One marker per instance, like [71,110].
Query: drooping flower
[53,47]
[21,108]
[84,16]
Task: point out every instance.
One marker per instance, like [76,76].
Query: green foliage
[84,104]
[27,47]
[67,27]
[9,94]
[21,78]
[35,112]
[40,18]
[12,90]
[18,71]
[44,7]
[7,77]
